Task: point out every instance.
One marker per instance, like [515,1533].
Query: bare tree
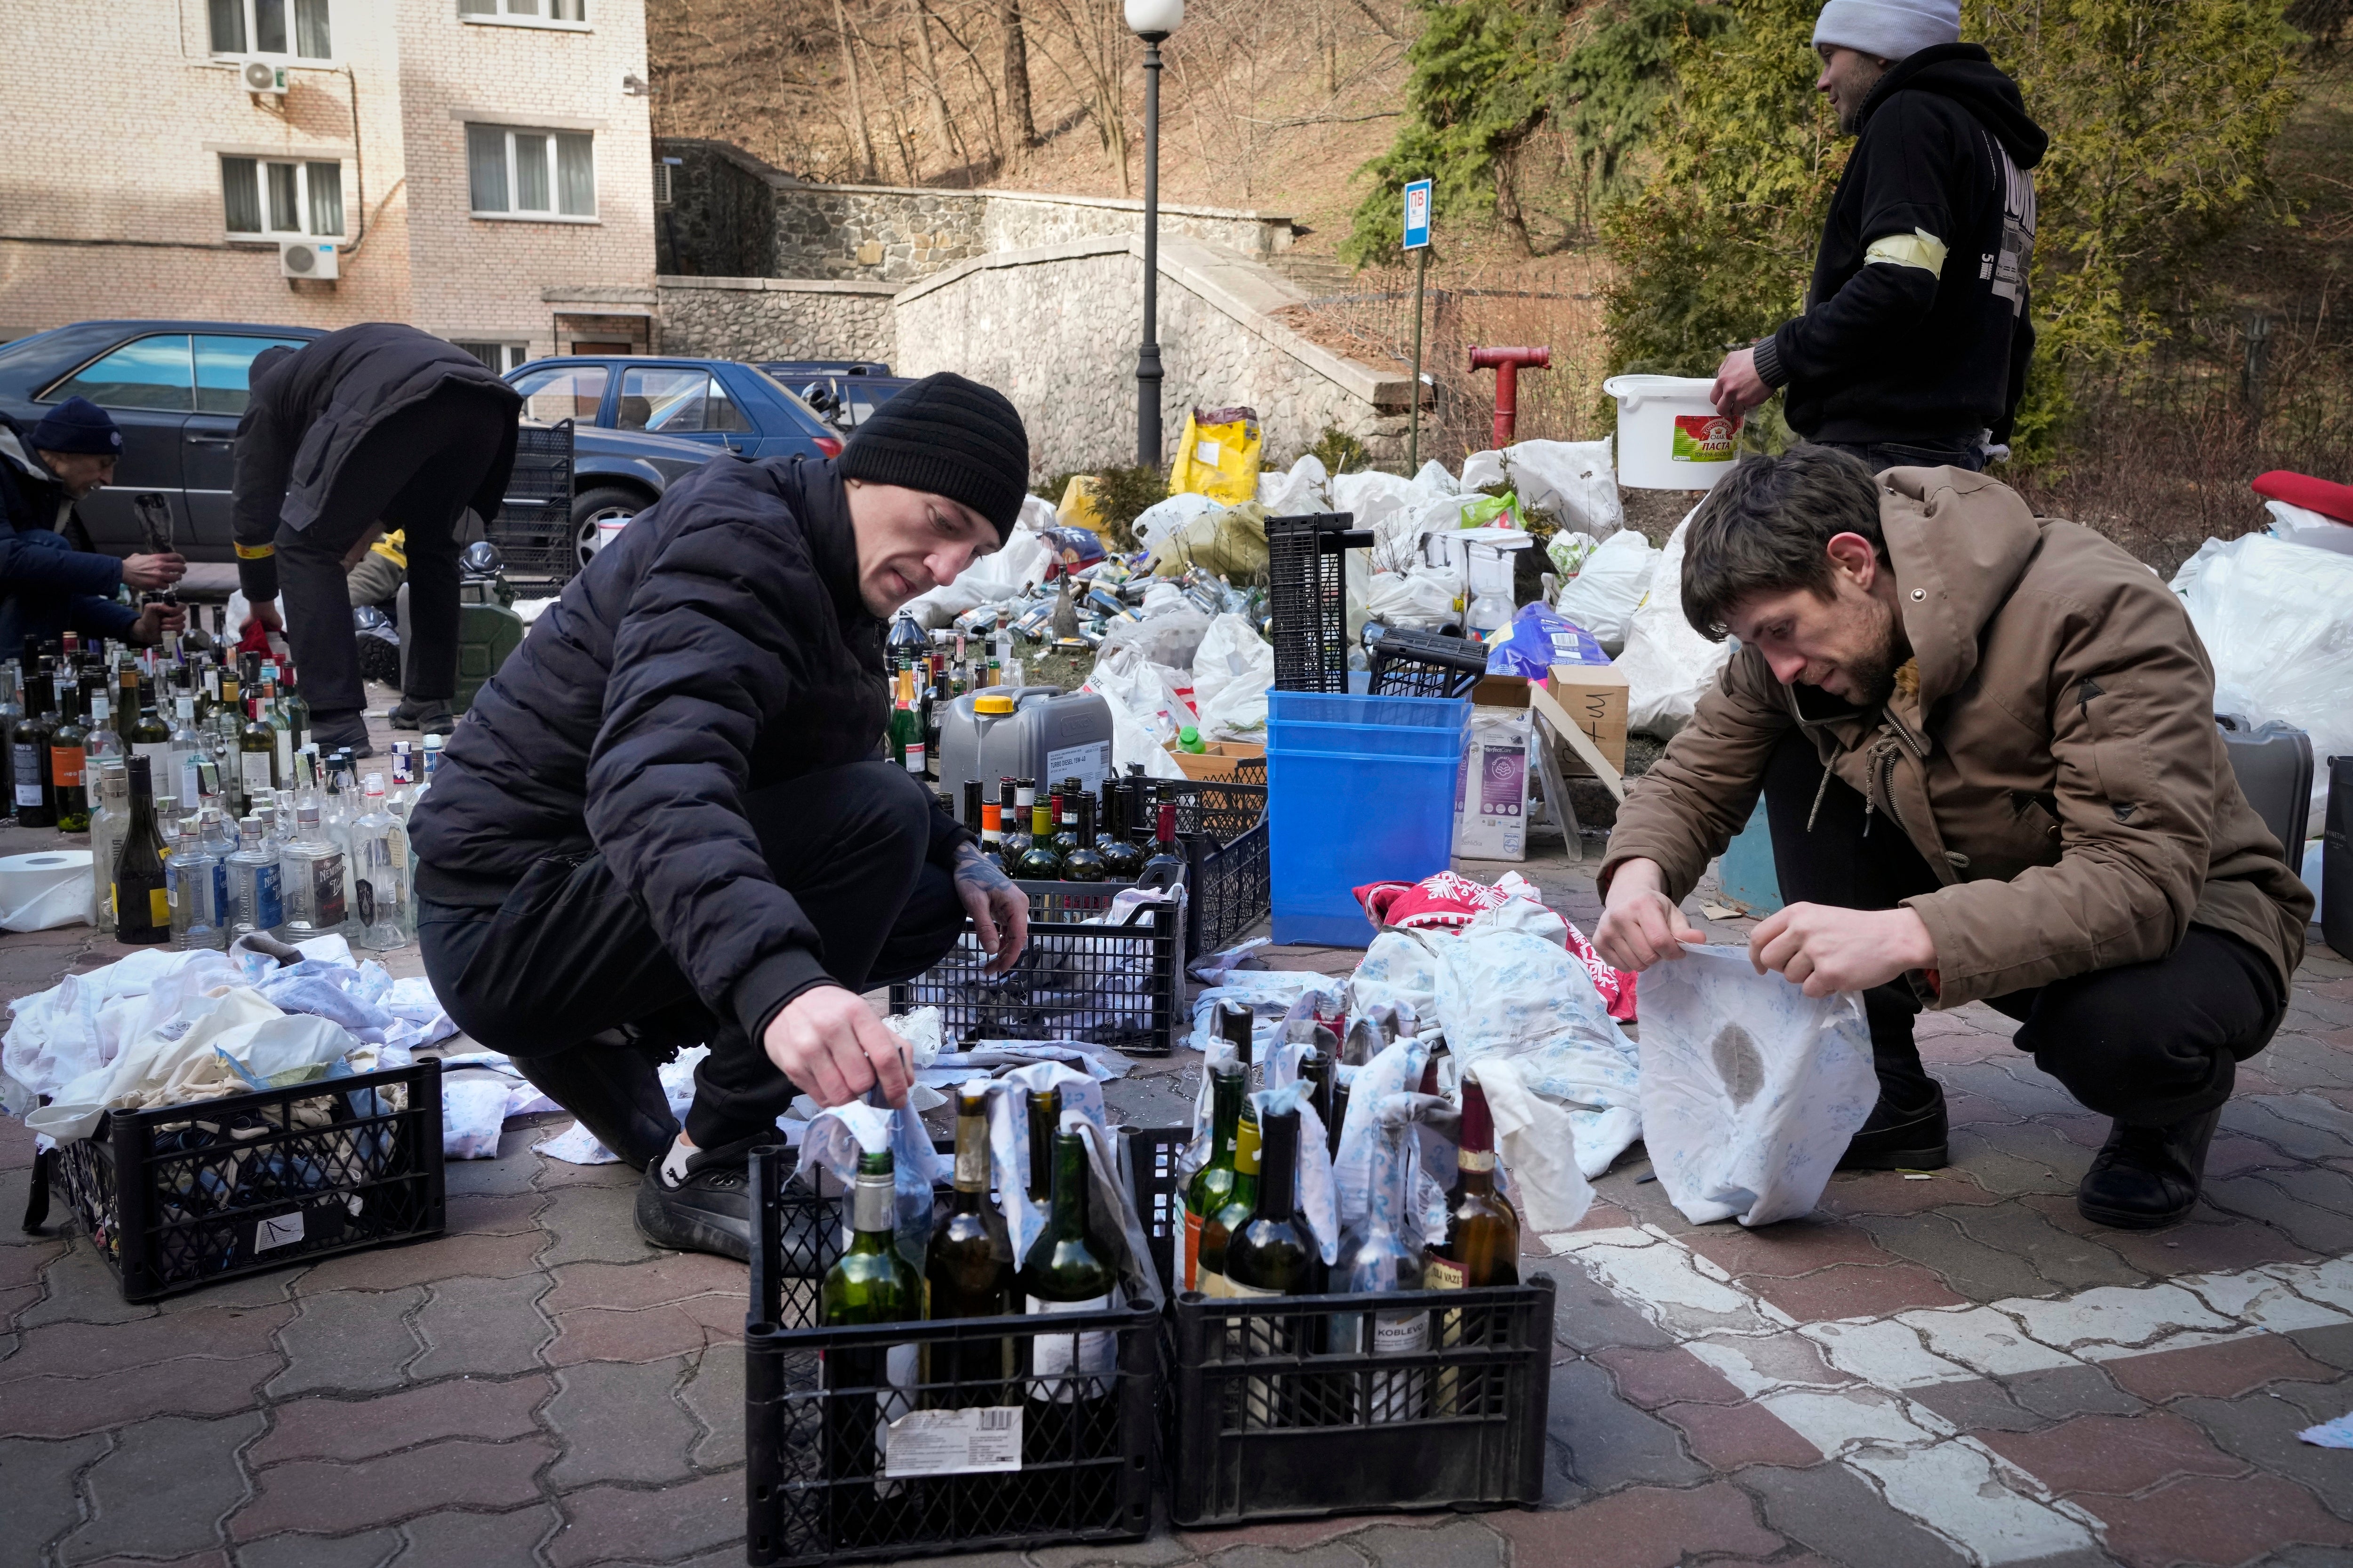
[865,140]
[1099,45]
[943,128]
[1016,72]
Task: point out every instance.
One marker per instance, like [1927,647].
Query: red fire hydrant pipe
[1507,363]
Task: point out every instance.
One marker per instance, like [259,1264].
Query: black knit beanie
[951,437]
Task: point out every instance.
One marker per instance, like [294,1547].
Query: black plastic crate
[1408,663]
[1108,985]
[1222,823]
[815,1396]
[183,1196]
[1265,1423]
[533,527]
[1307,598]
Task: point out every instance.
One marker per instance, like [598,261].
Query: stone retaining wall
[734,216]
[777,318]
[1054,327]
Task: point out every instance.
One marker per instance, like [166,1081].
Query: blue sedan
[713,402]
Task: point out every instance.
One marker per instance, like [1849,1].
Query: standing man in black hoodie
[1914,347]
[378,426]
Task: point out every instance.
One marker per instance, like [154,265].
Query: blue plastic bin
[1342,818]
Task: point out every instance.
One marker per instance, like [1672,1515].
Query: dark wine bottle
[972,806]
[1039,862]
[1068,1412]
[1045,1110]
[1066,822]
[1083,862]
[968,1271]
[1165,867]
[869,1283]
[142,907]
[1123,857]
[69,762]
[1212,1186]
[1270,1253]
[28,753]
[1020,798]
[1482,1232]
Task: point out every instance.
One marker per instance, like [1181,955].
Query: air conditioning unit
[261,76]
[312,258]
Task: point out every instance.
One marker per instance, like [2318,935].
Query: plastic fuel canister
[1037,732]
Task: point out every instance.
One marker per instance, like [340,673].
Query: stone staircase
[1319,276]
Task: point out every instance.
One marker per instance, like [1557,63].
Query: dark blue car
[177,389]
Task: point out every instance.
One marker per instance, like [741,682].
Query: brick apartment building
[484,168]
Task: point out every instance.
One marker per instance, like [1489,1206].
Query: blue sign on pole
[1417,216]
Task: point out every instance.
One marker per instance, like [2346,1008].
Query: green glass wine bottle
[1067,1414]
[1212,1186]
[1045,1111]
[969,1271]
[869,1283]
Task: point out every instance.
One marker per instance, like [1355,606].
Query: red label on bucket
[1704,437]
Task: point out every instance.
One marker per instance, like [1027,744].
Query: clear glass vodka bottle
[310,875]
[253,896]
[111,787]
[380,874]
[187,744]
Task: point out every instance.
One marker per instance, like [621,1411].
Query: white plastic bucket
[1670,437]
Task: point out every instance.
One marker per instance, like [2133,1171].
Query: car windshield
[790,398]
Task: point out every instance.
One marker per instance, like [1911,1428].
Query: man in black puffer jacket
[1914,347]
[664,819]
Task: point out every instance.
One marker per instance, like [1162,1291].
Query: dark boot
[700,1200]
[1898,1136]
[428,716]
[335,731]
[615,1091]
[2146,1177]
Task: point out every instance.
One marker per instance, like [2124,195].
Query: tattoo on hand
[974,867]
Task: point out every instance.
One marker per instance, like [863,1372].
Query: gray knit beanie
[1890,29]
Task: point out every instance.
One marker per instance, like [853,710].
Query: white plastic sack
[1232,672]
[1538,1142]
[1572,479]
[1376,498]
[1419,600]
[1149,690]
[2277,621]
[1483,469]
[1139,701]
[1170,636]
[1751,1090]
[1667,666]
[2302,525]
[1161,519]
[1303,489]
[1603,597]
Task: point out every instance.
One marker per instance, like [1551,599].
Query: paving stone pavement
[1932,1373]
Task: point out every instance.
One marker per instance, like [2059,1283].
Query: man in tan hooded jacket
[1987,746]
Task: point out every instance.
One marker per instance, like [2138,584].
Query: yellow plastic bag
[1218,456]
[1076,508]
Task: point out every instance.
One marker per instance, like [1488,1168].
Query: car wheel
[606,503]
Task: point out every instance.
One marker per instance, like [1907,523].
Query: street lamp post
[1151,20]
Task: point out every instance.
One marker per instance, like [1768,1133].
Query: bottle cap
[992,703]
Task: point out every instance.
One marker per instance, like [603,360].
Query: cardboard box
[1595,697]
[1219,761]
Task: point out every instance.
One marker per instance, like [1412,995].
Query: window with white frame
[518,172]
[269,197]
[526,10]
[500,357]
[298,28]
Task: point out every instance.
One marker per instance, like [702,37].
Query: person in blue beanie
[47,587]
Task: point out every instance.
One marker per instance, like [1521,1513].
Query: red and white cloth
[1449,900]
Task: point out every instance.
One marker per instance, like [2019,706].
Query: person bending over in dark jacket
[47,587]
[1914,343]
[664,819]
[1987,746]
[376,426]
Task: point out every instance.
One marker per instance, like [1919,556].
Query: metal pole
[1413,404]
[1147,358]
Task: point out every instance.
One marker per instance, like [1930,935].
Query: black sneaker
[2145,1178]
[430,718]
[700,1200]
[692,1203]
[1899,1140]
